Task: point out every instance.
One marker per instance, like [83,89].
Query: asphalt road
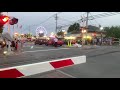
[101,65]
[101,61]
[41,54]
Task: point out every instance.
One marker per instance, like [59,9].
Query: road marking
[45,50]
[33,47]
[37,47]
[65,74]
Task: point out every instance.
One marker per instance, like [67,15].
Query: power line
[95,19]
[103,15]
[97,16]
[44,20]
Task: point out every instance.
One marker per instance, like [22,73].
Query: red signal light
[5,19]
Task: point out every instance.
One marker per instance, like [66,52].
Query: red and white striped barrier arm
[31,69]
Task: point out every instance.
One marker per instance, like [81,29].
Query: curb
[31,69]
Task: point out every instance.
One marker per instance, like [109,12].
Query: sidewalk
[11,53]
[84,47]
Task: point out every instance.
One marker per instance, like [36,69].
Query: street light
[101,28]
[83,31]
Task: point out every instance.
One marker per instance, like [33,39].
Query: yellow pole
[68,42]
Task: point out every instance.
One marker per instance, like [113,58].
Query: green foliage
[60,33]
[113,31]
[74,28]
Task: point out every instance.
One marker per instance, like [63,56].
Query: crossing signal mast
[3,20]
[13,21]
[6,19]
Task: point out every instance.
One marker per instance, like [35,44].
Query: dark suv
[40,41]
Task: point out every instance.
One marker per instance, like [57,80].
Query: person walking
[100,41]
[9,46]
[13,45]
[55,41]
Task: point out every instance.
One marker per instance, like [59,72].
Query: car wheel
[46,44]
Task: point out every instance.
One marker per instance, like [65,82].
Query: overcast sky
[35,18]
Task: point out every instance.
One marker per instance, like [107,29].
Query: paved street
[40,53]
[97,66]
[101,61]
[98,56]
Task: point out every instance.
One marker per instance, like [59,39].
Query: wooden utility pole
[56,18]
[8,25]
[87,27]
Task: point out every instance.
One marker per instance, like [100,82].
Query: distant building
[92,32]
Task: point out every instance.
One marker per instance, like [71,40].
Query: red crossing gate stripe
[62,63]
[11,73]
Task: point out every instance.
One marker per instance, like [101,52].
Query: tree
[60,33]
[113,31]
[75,28]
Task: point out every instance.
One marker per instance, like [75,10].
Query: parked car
[40,41]
[51,42]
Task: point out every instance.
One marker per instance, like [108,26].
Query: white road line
[33,47]
[65,73]
[44,50]
[37,47]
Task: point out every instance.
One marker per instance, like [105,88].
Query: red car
[73,41]
[51,42]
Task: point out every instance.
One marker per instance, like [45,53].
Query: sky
[35,19]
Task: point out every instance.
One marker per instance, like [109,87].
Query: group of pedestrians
[102,41]
[14,45]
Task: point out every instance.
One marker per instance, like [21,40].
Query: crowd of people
[102,41]
[14,45]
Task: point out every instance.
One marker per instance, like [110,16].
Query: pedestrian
[16,45]
[13,45]
[100,41]
[9,45]
[110,41]
[95,41]
[55,41]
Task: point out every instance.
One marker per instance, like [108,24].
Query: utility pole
[29,31]
[13,31]
[56,18]
[8,25]
[87,20]
[87,26]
